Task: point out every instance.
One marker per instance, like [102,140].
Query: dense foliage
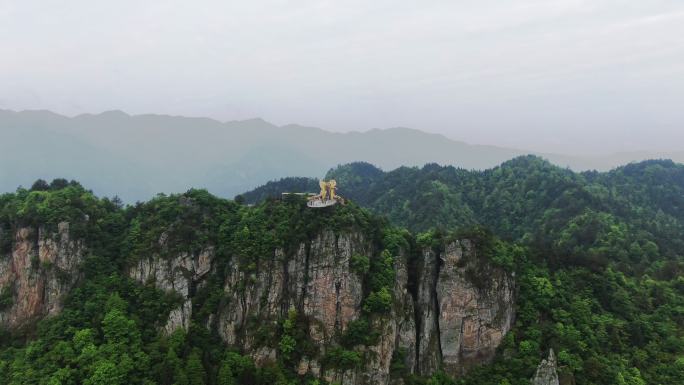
[598,259]
[600,271]
[110,329]
[275,188]
[601,277]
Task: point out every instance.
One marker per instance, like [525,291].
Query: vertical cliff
[334,295]
[38,272]
[475,303]
[429,351]
[465,306]
[316,281]
[457,316]
[178,273]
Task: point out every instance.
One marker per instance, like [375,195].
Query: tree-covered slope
[274,189]
[530,200]
[111,329]
[195,289]
[603,282]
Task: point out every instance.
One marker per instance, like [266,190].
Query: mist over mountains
[139,156]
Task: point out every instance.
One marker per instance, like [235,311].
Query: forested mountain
[607,240]
[497,268]
[528,199]
[516,199]
[136,157]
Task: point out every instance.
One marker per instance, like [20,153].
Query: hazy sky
[550,75]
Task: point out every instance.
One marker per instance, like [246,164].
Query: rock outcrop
[397,333]
[39,272]
[459,313]
[449,309]
[429,352]
[474,314]
[179,273]
[316,281]
[468,312]
[547,373]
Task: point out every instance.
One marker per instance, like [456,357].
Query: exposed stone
[263,356]
[179,317]
[40,271]
[547,373]
[428,330]
[450,314]
[397,331]
[457,323]
[308,365]
[461,321]
[303,366]
[252,296]
[473,317]
[333,293]
[344,377]
[316,281]
[177,274]
[315,368]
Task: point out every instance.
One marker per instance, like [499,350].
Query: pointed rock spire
[546,371]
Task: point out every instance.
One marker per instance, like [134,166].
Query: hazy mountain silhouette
[138,156]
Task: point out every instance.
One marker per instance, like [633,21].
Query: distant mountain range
[138,156]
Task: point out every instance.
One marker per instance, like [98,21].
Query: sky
[567,76]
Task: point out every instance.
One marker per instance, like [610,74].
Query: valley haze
[138,156]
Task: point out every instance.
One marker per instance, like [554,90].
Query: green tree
[194,368]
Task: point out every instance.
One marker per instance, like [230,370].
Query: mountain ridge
[174,153]
[496,268]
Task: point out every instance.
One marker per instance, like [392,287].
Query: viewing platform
[317,203]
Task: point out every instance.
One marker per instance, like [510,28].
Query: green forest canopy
[598,258]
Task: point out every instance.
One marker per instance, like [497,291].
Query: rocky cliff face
[465,308]
[455,319]
[546,372]
[40,270]
[316,282]
[451,323]
[449,313]
[178,273]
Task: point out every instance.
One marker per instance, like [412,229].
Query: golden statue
[332,186]
[327,196]
[324,189]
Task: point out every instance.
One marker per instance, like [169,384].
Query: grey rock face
[546,371]
[465,307]
[40,271]
[473,317]
[316,281]
[455,319]
[330,292]
[252,299]
[397,332]
[449,314]
[177,273]
[403,314]
[429,352]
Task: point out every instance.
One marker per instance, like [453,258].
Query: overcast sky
[553,75]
